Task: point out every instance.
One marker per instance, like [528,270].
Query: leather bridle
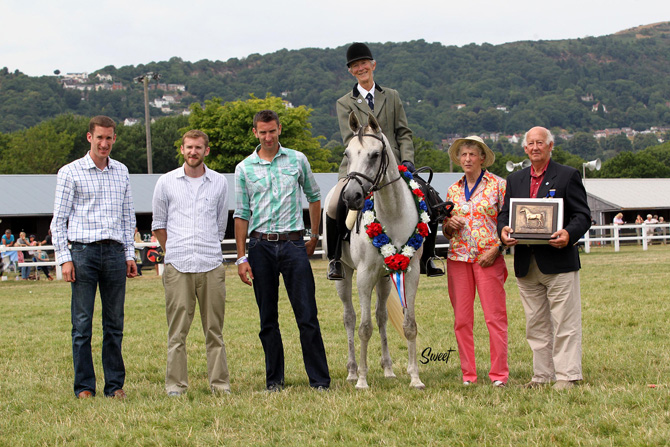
[375,183]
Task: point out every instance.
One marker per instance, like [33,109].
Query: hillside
[620,80]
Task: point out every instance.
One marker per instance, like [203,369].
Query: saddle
[438,209]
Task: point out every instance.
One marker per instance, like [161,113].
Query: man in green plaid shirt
[268,186]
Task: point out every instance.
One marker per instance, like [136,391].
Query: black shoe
[431,269]
[335,270]
[274,388]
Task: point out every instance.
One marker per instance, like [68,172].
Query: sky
[40,36]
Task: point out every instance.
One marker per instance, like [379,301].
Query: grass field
[624,400]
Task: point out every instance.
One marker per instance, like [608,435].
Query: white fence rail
[642,234]
[598,235]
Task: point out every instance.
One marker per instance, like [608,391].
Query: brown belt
[274,237]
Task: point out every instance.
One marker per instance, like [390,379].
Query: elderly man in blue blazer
[548,275]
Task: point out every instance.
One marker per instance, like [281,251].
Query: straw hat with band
[453,150]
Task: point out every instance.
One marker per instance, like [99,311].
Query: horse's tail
[395,313]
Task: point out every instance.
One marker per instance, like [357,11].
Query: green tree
[37,150]
[229,127]
[425,154]
[582,144]
[336,153]
[4,147]
[566,158]
[653,162]
[165,134]
[131,147]
[77,126]
[616,143]
[644,140]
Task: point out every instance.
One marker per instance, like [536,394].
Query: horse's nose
[353,199]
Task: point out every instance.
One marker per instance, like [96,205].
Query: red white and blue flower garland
[397,261]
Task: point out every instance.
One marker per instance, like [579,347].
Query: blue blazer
[568,184]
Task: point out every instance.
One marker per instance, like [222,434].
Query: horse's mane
[359,133]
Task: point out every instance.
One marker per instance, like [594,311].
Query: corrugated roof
[33,195]
[631,193]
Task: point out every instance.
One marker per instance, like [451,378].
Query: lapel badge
[359,100]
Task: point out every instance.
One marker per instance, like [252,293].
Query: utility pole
[145,78]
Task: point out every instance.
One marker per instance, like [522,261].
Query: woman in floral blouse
[475,261]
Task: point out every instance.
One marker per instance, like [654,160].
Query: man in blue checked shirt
[190,213]
[268,186]
[93,211]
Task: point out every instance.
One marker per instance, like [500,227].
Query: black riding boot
[427,263]
[334,241]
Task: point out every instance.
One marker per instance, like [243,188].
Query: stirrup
[435,271]
[335,270]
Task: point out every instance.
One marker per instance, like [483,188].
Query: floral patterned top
[480,233]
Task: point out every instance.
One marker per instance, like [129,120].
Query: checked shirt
[92,205]
[268,193]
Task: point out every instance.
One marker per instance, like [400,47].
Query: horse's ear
[354,124]
[373,124]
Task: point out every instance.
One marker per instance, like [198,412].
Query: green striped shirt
[267,194]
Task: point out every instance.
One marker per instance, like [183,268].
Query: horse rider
[384,103]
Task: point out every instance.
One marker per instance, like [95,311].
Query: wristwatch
[314,236]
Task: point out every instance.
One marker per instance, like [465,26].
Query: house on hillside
[75,77]
[596,106]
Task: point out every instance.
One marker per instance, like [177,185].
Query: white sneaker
[467,383]
[499,384]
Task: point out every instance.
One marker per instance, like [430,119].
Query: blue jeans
[289,258]
[96,265]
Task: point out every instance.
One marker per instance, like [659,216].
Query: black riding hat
[358,51]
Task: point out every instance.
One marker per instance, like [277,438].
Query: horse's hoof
[352,377]
[389,375]
[418,385]
[362,385]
